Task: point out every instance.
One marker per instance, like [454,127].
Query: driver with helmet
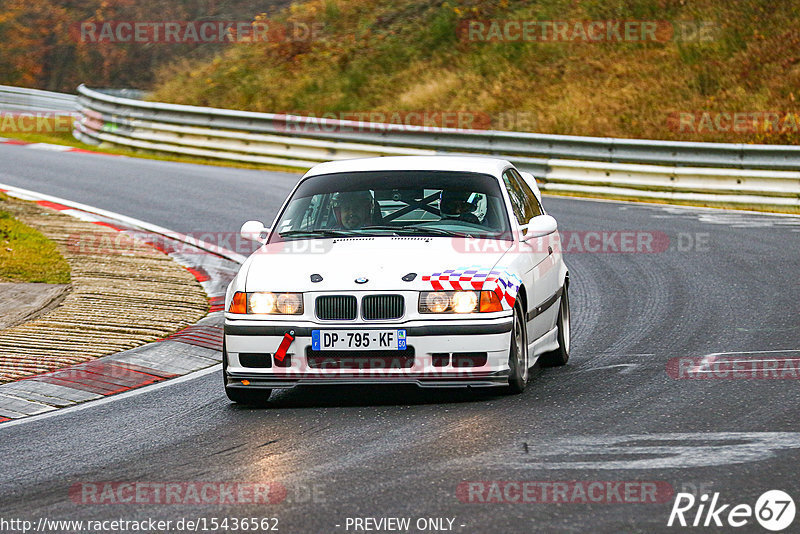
[353,209]
[456,205]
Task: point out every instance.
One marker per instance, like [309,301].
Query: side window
[309,214]
[532,207]
[516,195]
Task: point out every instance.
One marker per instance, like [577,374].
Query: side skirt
[546,343]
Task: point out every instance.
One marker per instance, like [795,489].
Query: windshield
[424,203]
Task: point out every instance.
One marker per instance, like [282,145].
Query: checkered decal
[504,284]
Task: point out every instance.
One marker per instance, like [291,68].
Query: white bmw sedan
[439,271]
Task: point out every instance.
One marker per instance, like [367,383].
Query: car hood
[382,261]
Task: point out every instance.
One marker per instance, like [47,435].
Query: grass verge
[719,71]
[26,255]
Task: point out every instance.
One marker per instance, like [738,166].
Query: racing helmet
[453,204]
[353,200]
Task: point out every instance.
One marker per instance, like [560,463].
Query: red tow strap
[284,346]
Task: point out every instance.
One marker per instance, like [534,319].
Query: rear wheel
[560,356]
[518,354]
[252,397]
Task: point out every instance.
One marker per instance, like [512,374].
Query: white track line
[112,398]
[705,363]
[640,203]
[229,254]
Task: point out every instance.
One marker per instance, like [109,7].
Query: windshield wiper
[324,233]
[417,230]
[397,229]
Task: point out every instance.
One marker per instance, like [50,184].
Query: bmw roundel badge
[361,280]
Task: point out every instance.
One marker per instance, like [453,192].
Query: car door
[523,256]
[541,280]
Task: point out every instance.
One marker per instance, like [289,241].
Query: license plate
[358,340]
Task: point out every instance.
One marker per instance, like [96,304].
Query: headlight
[458,302]
[290,303]
[465,301]
[434,302]
[263,302]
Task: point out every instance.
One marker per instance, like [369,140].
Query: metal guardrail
[694,184]
[35,100]
[706,172]
[443,139]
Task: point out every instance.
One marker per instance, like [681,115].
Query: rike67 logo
[774,510]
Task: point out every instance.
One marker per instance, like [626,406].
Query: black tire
[560,356]
[252,397]
[518,354]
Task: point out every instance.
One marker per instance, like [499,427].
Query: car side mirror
[540,226]
[254,231]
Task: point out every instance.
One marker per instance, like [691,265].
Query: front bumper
[427,341]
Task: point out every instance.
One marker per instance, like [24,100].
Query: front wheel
[518,354]
[560,356]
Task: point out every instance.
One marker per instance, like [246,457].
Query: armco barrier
[703,172]
[34,100]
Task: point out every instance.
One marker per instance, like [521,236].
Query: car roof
[479,164]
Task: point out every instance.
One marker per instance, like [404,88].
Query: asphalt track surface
[612,414]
